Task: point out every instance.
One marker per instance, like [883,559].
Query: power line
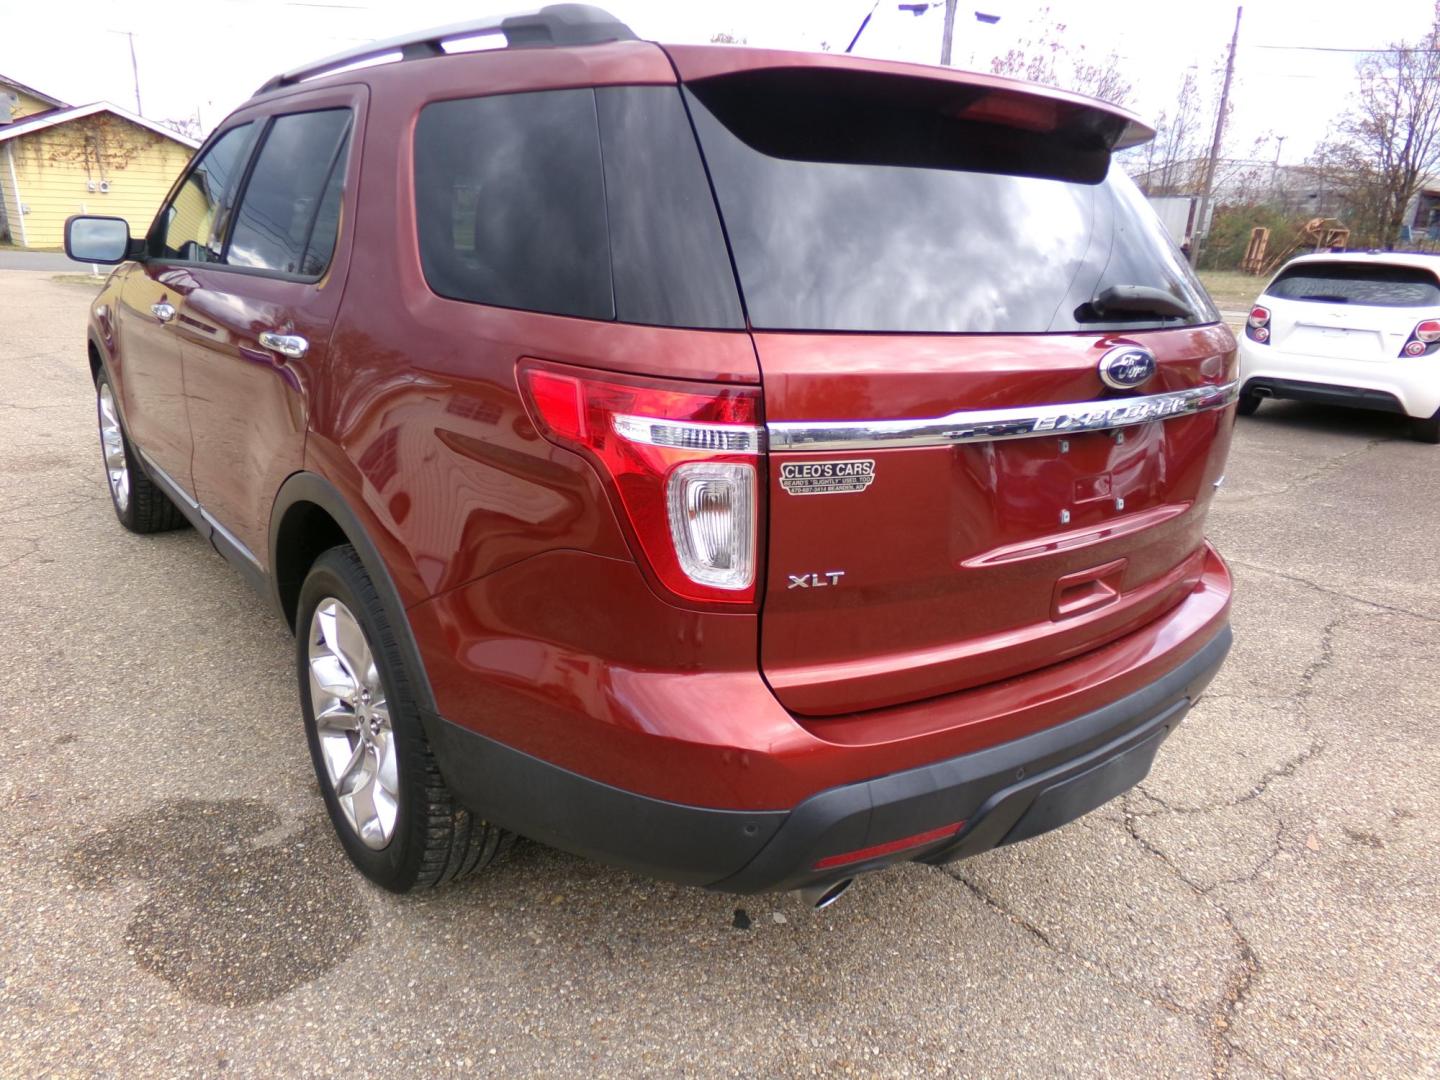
[1340,49]
[1252,76]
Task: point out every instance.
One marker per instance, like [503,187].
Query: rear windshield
[1371,284]
[857,201]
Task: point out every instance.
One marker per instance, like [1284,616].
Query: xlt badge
[815,581]
[826,477]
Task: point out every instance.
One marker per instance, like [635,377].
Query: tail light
[1257,326]
[1424,339]
[680,459]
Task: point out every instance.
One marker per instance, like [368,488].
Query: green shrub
[1230,234]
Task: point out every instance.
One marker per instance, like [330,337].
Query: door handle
[292,345]
[163,311]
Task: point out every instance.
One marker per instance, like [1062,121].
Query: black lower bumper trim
[695,845]
[1003,794]
[990,790]
[1352,397]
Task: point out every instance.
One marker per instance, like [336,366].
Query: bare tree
[189,126]
[1170,158]
[1047,58]
[1386,145]
[1350,174]
[1173,163]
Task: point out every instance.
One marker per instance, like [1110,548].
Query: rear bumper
[965,804]
[1324,394]
[1410,386]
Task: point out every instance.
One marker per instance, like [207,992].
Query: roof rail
[552,26]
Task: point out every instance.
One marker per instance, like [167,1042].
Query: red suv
[745,467]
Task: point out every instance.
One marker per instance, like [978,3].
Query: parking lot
[172,901]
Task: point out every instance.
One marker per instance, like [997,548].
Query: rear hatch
[1362,309]
[933,268]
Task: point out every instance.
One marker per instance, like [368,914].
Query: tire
[1248,404]
[1427,431]
[398,822]
[139,504]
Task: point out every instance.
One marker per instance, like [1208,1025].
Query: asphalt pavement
[172,902]
[12,258]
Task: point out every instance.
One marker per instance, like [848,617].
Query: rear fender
[306,487]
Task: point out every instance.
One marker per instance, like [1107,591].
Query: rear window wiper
[1120,302]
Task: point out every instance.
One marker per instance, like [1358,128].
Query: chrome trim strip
[167,481]
[230,538]
[690,434]
[989,425]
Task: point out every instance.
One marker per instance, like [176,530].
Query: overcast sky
[211,54]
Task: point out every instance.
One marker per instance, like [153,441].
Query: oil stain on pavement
[229,919]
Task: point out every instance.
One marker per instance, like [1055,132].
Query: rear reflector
[890,848]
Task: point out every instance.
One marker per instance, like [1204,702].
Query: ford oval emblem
[1126,367]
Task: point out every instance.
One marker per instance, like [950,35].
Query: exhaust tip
[822,896]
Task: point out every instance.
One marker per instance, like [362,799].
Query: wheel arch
[96,355]
[309,517]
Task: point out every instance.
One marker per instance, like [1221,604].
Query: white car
[1359,329]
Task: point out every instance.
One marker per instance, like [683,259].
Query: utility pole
[1202,219]
[863,23]
[134,67]
[949,32]
[135,73]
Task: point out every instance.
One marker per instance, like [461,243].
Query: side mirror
[97,239]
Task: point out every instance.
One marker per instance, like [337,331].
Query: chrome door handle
[163,311]
[292,345]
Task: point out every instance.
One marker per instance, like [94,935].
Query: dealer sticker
[826,477]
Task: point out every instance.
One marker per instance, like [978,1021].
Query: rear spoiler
[995,99]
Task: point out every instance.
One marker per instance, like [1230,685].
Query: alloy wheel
[112,442]
[352,723]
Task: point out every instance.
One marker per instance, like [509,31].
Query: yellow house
[57,160]
[24,101]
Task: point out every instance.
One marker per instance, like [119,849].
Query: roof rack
[553,26]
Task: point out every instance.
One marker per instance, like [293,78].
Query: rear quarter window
[510,202]
[1369,284]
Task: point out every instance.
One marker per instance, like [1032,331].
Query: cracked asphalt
[1266,903]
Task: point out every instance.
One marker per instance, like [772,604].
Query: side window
[192,226]
[510,202]
[327,222]
[290,210]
